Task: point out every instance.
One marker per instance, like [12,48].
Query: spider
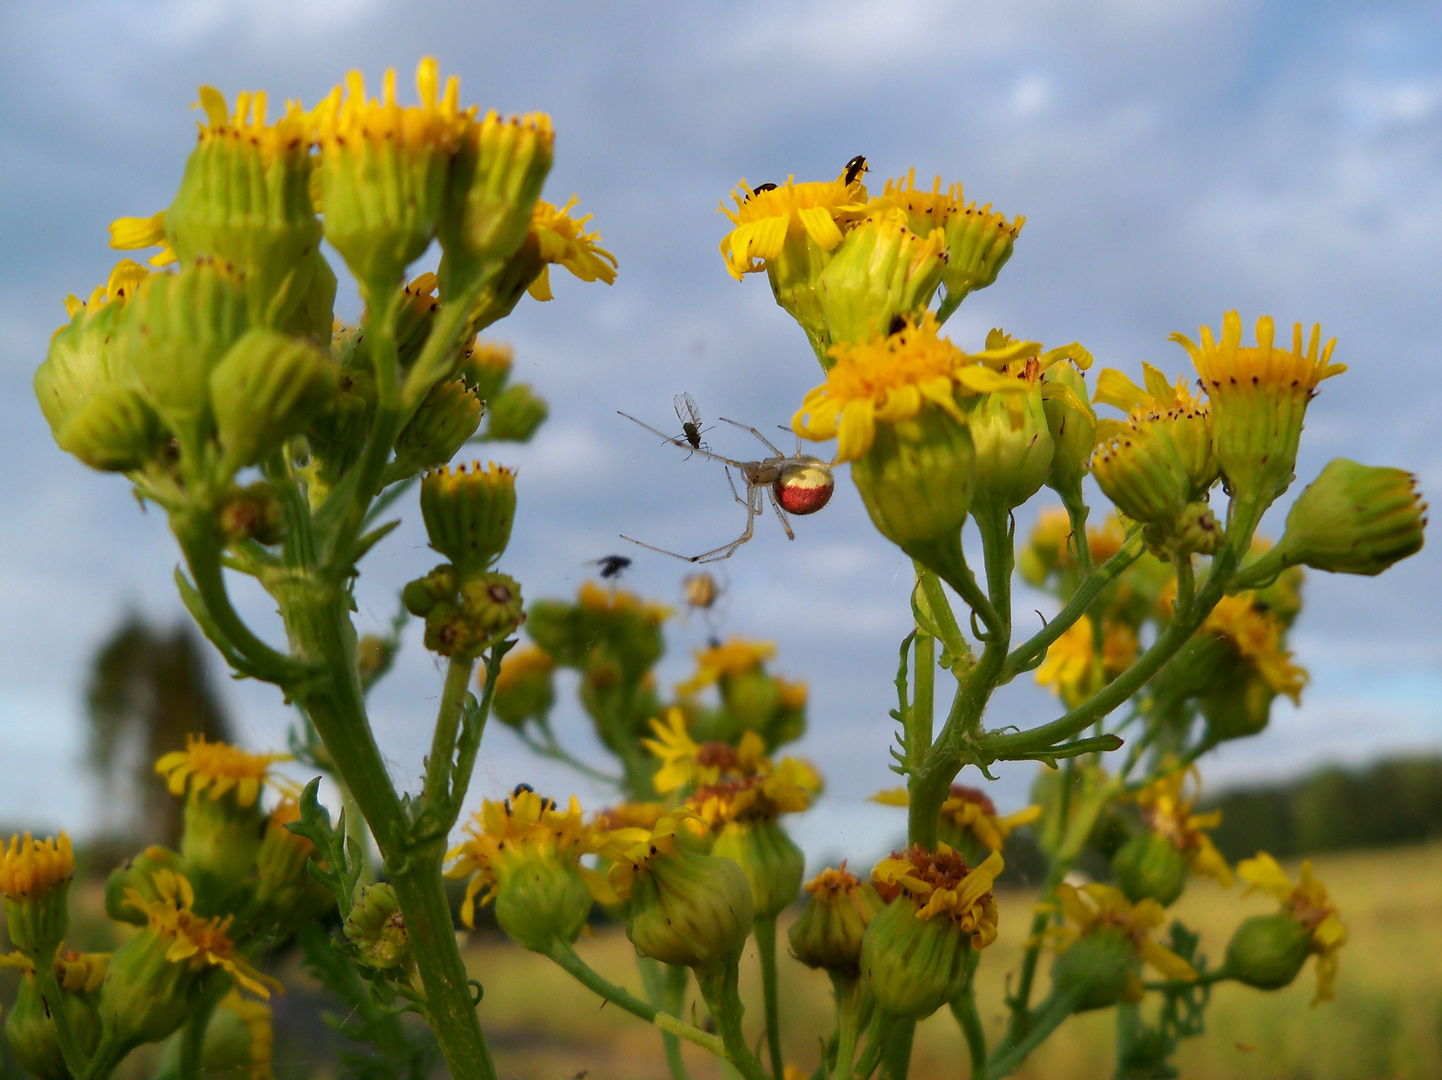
[795,484]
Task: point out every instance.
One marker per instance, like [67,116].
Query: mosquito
[690,417]
[793,483]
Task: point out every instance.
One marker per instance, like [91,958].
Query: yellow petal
[820,226]
[857,431]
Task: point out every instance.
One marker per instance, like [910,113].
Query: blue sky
[1173,161]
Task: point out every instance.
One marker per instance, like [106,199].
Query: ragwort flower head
[35,884]
[829,932]
[969,819]
[1308,904]
[563,240]
[687,763]
[217,769]
[1097,953]
[767,219]
[939,883]
[785,788]
[1169,809]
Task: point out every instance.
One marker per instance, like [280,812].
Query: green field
[1386,1021]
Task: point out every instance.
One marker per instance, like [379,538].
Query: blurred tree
[148,689]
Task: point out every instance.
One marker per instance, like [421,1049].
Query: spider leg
[780,514]
[682,443]
[748,427]
[734,493]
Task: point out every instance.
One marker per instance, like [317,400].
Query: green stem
[1186,582]
[718,987]
[963,1007]
[896,1043]
[192,1035]
[1204,978]
[865,1065]
[999,746]
[673,1001]
[578,969]
[1049,1016]
[548,747]
[1128,1025]
[765,930]
[55,1005]
[922,817]
[850,1005]
[449,1005]
[1035,647]
[1076,512]
[109,1053]
[448,722]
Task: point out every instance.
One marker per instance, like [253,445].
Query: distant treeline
[1392,802]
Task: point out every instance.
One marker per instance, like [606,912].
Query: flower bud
[445,419]
[485,367]
[541,902]
[137,875]
[30,1029]
[337,434]
[287,896]
[35,883]
[1014,447]
[689,909]
[1267,951]
[772,862]
[245,199]
[516,413]
[489,608]
[239,1040]
[524,689]
[1140,471]
[1239,707]
[252,513]
[1354,519]
[424,593]
[384,171]
[829,932]
[1196,529]
[1097,968]
[377,928]
[495,180]
[1150,866]
[913,966]
[265,389]
[468,514]
[881,272]
[114,430]
[978,244]
[414,317]
[1073,426]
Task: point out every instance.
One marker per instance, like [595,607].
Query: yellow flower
[248,124]
[970,810]
[631,815]
[507,835]
[121,285]
[1096,907]
[736,657]
[1119,647]
[1168,810]
[788,788]
[80,972]
[1114,388]
[563,240]
[217,767]
[1257,637]
[194,941]
[256,1018]
[347,116]
[1071,666]
[673,830]
[620,602]
[764,220]
[134,234]
[940,883]
[1309,904]
[891,378]
[31,867]
[686,762]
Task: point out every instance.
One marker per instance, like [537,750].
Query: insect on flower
[855,168]
[794,483]
[611,565]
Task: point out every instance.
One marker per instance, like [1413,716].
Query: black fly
[611,565]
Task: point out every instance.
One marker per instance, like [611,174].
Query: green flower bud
[81,359]
[913,965]
[138,874]
[1139,470]
[1097,968]
[541,901]
[485,367]
[1073,426]
[416,313]
[494,183]
[424,593]
[772,862]
[468,514]
[690,909]
[35,884]
[881,272]
[1197,530]
[265,389]
[338,432]
[515,414]
[524,689]
[1267,951]
[252,513]
[1354,519]
[176,329]
[245,199]
[829,932]
[1014,448]
[114,430]
[30,1029]
[445,419]
[219,845]
[489,609]
[146,996]
[1242,706]
[978,244]
[1150,866]
[377,928]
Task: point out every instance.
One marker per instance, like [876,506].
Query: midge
[795,484]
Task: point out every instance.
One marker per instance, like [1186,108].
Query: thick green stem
[448,723]
[449,1004]
[865,1065]
[55,1006]
[896,1042]
[1129,1021]
[963,1007]
[719,988]
[998,746]
[192,1035]
[850,1007]
[578,969]
[108,1055]
[765,930]
[1049,1016]
[1033,648]
[922,817]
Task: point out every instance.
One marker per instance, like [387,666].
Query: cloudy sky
[1172,160]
